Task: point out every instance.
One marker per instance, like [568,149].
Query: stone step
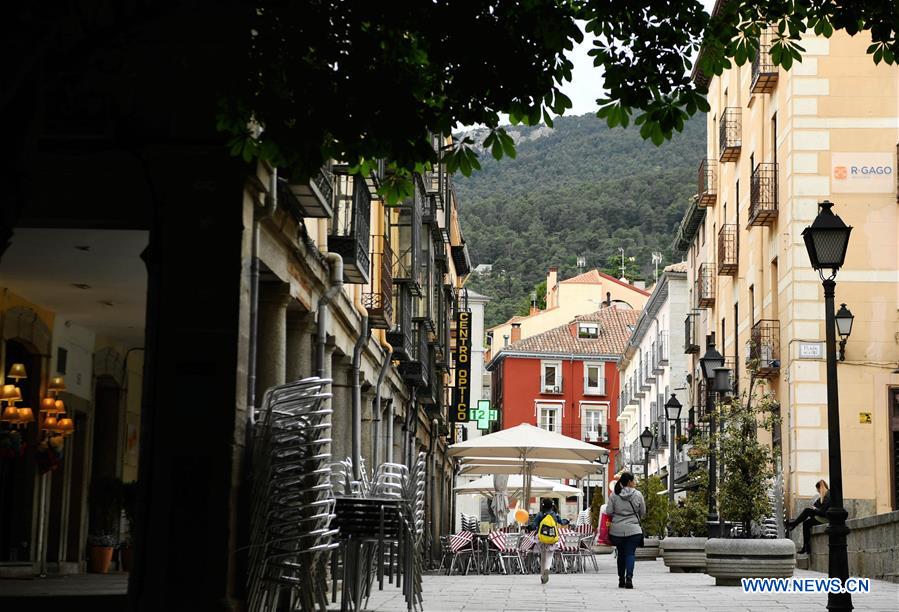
[802,562]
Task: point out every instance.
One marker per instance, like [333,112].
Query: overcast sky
[586,82]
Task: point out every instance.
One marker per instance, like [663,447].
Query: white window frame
[601,389]
[603,408]
[588,326]
[558,384]
[555,406]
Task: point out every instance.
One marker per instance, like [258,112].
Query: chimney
[534,310]
[640,284]
[516,332]
[552,279]
[505,340]
[608,301]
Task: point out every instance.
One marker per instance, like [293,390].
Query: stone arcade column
[271,347]
[300,351]
[341,426]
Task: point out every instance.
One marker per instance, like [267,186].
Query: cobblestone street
[655,589]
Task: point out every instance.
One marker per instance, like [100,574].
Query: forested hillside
[578,189]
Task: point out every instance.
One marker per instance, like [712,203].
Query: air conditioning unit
[593,436]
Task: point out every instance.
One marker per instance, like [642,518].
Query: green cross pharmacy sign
[484,415]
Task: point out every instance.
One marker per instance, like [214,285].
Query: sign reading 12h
[484,415]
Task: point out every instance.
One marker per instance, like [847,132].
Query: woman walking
[815,514]
[627,508]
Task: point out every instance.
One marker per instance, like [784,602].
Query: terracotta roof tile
[613,335]
[677,267]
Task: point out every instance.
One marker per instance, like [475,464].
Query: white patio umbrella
[524,443]
[539,486]
[545,469]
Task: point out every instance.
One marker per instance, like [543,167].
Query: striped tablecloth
[528,541]
[497,538]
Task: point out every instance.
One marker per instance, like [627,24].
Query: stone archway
[108,363]
[23,324]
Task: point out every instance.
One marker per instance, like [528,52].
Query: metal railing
[764,72]
[727,250]
[704,286]
[691,333]
[763,195]
[730,134]
[379,301]
[764,348]
[707,190]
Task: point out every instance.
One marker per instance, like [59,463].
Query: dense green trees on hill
[578,189]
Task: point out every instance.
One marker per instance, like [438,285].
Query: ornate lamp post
[826,241]
[709,362]
[721,385]
[604,462]
[646,442]
[672,413]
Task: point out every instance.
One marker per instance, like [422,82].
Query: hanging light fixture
[17,372]
[50,423]
[48,405]
[57,384]
[11,394]
[60,406]
[66,426]
[10,414]
[25,415]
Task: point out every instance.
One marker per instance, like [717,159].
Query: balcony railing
[662,348]
[704,286]
[691,333]
[708,183]
[656,357]
[764,348]
[649,366]
[379,301]
[730,134]
[400,337]
[581,432]
[417,370]
[731,364]
[727,250]
[349,228]
[315,198]
[599,389]
[764,72]
[763,195]
[406,232]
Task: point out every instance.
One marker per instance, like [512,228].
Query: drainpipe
[432,480]
[388,443]
[335,262]
[356,441]
[271,203]
[407,427]
[376,409]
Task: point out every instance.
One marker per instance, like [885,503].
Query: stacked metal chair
[293,503]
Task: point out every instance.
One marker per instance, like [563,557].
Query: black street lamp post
[722,387]
[826,240]
[844,319]
[646,442]
[672,413]
[711,360]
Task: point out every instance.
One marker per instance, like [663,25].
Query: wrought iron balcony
[405,227]
[730,134]
[315,198]
[763,195]
[379,301]
[691,333]
[731,364]
[704,286]
[764,72]
[728,256]
[581,432]
[656,357]
[662,348]
[708,183]
[349,228]
[764,348]
[416,371]
[649,375]
[400,337]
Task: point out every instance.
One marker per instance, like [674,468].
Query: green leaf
[497,150]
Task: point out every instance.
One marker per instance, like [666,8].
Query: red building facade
[566,379]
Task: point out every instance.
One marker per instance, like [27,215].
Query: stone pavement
[655,590]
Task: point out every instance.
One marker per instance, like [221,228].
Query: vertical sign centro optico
[459,413]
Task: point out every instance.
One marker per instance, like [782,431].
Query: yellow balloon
[521,515]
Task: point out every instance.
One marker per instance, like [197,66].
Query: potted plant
[129,505]
[743,495]
[684,548]
[656,517]
[105,498]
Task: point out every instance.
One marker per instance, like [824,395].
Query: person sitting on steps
[811,516]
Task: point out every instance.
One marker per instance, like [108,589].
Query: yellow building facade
[778,144]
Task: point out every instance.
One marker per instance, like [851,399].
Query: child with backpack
[546,523]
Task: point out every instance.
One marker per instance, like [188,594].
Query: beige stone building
[566,299]
[778,143]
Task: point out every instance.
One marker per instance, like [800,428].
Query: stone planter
[683,554]
[728,560]
[649,551]
[602,549]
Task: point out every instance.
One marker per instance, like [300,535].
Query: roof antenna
[657,259]
[581,264]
